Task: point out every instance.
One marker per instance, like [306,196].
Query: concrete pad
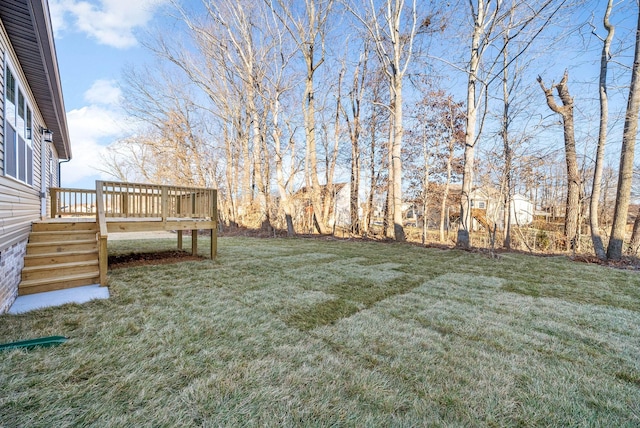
[48,299]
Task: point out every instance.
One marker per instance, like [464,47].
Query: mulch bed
[156,258]
[627,263]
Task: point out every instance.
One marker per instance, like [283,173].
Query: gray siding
[3,49]
[19,202]
[18,209]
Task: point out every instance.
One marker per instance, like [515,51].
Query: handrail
[154,200]
[69,201]
[102,234]
[121,199]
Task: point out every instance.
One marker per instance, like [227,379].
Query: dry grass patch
[297,332]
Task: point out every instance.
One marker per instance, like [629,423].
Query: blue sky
[95,40]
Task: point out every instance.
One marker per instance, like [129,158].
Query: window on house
[18,131]
[481,205]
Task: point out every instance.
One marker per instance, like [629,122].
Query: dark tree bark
[634,245]
[573,174]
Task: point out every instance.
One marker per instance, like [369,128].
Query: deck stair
[60,255]
[481,217]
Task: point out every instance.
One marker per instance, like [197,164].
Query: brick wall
[11,263]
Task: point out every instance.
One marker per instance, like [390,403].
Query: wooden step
[62,235]
[59,270]
[55,258]
[49,284]
[46,226]
[61,247]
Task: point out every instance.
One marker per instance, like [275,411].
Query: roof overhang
[28,26]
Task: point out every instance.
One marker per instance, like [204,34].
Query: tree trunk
[355,185]
[573,174]
[372,171]
[618,229]
[507,151]
[445,194]
[388,211]
[258,163]
[464,239]
[284,197]
[396,158]
[634,245]
[425,190]
[332,159]
[356,96]
[310,134]
[598,246]
[247,190]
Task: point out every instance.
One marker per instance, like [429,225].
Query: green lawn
[298,332]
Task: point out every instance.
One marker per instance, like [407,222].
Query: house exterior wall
[3,49]
[521,210]
[19,202]
[342,213]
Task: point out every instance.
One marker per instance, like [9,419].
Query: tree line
[408,106]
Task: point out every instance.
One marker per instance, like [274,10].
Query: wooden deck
[71,247]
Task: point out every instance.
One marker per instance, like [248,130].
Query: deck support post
[214,217]
[194,242]
[54,202]
[103,259]
[179,240]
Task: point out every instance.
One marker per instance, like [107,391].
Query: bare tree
[354,126]
[393,40]
[507,184]
[431,152]
[377,163]
[598,246]
[487,16]
[275,88]
[573,174]
[308,27]
[173,146]
[484,20]
[623,196]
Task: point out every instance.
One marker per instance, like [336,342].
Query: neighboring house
[33,131]
[341,213]
[488,209]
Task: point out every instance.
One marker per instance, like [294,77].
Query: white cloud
[91,128]
[110,22]
[103,92]
[57,12]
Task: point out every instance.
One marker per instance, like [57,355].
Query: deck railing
[72,202]
[134,200]
[117,200]
[150,200]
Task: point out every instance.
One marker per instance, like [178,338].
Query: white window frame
[27,166]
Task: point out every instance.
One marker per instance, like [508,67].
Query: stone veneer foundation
[11,263]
